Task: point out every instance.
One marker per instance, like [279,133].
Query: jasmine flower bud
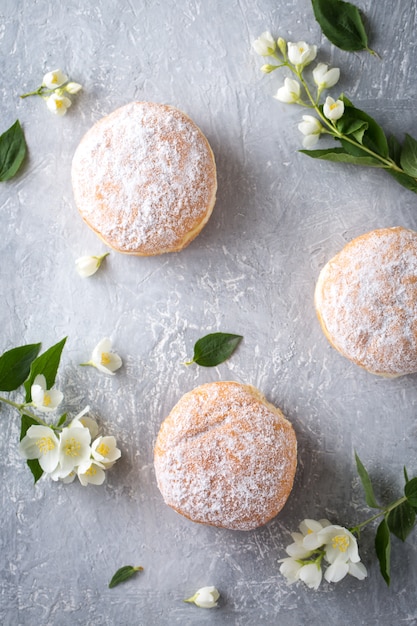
[205,598]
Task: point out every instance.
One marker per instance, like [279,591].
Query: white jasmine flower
[289,92]
[311,129]
[104,359]
[54,79]
[339,544]
[43,399]
[58,104]
[332,109]
[265,45]
[301,53]
[104,450]
[88,265]
[205,598]
[74,450]
[40,442]
[91,472]
[73,88]
[83,420]
[325,78]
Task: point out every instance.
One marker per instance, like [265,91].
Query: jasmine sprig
[60,451]
[399,517]
[53,90]
[362,140]
[320,542]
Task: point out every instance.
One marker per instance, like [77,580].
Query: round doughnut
[144,179]
[366,301]
[226,457]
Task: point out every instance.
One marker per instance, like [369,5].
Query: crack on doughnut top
[366,300]
[226,457]
[144,179]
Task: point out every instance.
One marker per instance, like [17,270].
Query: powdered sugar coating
[144,179]
[226,457]
[366,300]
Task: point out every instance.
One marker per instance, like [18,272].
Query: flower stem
[383,511]
[22,410]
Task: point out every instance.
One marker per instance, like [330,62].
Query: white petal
[311,575]
[310,141]
[358,570]
[40,380]
[290,569]
[336,571]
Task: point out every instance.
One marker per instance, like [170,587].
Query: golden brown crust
[226,457]
[144,179]
[366,301]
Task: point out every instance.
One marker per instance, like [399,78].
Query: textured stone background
[279,217]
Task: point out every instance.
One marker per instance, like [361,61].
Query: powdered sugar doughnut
[144,179]
[226,457]
[366,301]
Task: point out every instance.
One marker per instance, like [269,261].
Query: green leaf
[352,126]
[15,366]
[366,483]
[408,158]
[12,151]
[383,549]
[33,464]
[122,574]
[340,155]
[401,520]
[342,24]
[394,149]
[406,181]
[374,137]
[214,349]
[410,491]
[46,364]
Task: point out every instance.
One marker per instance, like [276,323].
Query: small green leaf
[62,420]
[122,574]
[15,366]
[33,464]
[342,24]
[401,520]
[47,364]
[12,151]
[352,126]
[410,491]
[340,155]
[366,483]
[374,137]
[383,549]
[408,158]
[214,349]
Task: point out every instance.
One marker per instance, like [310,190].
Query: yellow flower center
[45,444]
[46,399]
[301,49]
[105,358]
[103,449]
[333,106]
[72,447]
[341,542]
[92,470]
